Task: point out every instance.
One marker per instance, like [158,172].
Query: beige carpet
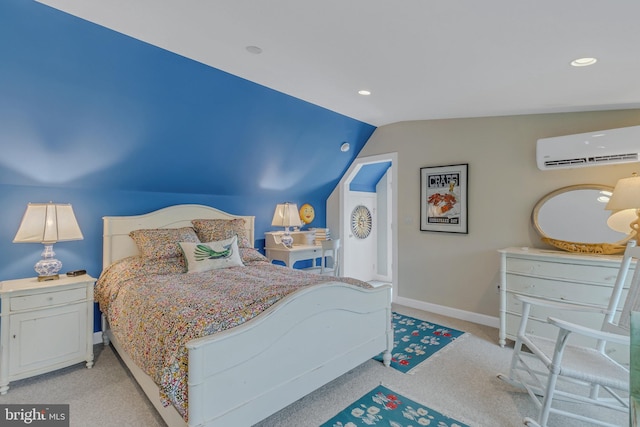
[103,396]
[459,381]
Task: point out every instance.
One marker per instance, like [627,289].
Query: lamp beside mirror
[625,204]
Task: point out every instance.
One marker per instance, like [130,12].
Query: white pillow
[211,255]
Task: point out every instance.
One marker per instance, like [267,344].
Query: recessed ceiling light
[583,62]
[254,49]
[364,92]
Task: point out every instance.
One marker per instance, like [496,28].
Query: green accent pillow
[211,255]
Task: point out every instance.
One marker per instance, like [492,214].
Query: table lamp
[286,215]
[48,223]
[625,204]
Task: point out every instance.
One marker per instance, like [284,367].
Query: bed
[241,375]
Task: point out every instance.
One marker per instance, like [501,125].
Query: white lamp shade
[286,215]
[48,223]
[626,194]
[621,220]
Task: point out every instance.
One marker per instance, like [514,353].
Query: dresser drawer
[582,273]
[586,318]
[538,326]
[560,290]
[47,299]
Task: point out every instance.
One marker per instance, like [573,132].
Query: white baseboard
[481,319]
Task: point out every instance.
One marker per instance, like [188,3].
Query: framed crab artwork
[444,198]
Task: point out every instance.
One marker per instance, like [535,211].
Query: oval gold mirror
[574,219]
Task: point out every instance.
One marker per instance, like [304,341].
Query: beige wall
[461,271]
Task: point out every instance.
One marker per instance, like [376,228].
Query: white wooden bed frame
[241,376]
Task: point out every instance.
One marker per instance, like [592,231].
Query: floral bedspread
[154,309]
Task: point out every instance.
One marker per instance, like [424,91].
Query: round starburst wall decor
[361,222]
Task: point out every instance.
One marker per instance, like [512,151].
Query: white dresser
[559,276]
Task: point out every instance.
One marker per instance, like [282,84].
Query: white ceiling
[421,59]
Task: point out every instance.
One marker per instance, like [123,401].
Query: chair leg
[547,399]
[530,423]
[554,371]
[517,346]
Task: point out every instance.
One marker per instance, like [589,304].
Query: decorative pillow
[162,243]
[212,255]
[252,255]
[211,230]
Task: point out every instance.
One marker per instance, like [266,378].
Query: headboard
[116,241]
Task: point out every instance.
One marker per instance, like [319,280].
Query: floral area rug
[415,340]
[383,407]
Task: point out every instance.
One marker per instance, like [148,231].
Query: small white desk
[301,250]
[296,253]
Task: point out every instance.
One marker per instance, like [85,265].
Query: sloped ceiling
[420,59]
[368,177]
[84,106]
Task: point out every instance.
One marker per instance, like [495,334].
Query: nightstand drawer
[48,299]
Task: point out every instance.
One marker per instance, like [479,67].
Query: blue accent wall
[116,126]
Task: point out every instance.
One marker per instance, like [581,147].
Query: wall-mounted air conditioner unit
[605,147]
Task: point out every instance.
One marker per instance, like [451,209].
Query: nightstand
[44,326]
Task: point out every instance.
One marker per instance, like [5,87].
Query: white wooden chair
[558,370]
[330,249]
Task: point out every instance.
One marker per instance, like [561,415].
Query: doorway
[369,182]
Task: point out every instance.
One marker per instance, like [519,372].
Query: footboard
[243,375]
